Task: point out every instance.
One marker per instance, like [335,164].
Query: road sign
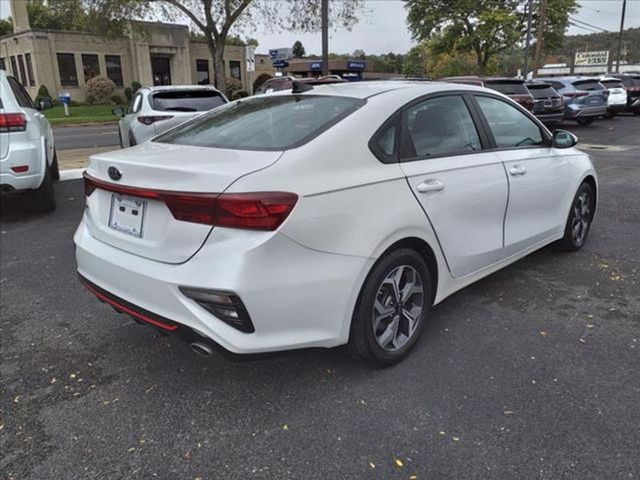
[315,66]
[280,64]
[251,59]
[281,53]
[356,65]
[584,59]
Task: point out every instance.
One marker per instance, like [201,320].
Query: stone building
[150,53]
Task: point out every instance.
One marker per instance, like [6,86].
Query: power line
[587,24]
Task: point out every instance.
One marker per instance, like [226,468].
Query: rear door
[462,189]
[182,105]
[130,116]
[540,179]
[596,94]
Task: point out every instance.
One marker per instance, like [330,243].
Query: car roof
[165,88]
[368,89]
[483,79]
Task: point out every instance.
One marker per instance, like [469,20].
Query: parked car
[512,87]
[153,110]
[338,215]
[285,83]
[585,99]
[28,162]
[631,83]
[548,105]
[617,99]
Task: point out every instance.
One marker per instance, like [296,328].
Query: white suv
[153,110]
[27,156]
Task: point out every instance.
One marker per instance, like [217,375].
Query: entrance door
[161,70]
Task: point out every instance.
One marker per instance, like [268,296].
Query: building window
[202,72]
[2,64]
[67,69]
[234,68]
[90,66]
[114,69]
[32,80]
[14,68]
[23,73]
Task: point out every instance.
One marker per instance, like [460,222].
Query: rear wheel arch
[592,182]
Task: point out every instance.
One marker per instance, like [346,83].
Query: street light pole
[325,37]
[624,8]
[528,41]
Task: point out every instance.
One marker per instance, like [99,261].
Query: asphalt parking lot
[533,372]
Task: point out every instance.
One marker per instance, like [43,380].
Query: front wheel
[580,218]
[392,308]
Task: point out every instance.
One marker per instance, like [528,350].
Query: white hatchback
[28,163]
[617,99]
[337,215]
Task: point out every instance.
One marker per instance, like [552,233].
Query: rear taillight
[149,119]
[13,122]
[254,211]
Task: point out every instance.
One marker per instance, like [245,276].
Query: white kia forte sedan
[330,215]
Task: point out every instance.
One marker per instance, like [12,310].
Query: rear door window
[136,103]
[264,122]
[186,101]
[588,85]
[508,88]
[22,97]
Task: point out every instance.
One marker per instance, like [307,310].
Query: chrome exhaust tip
[201,348]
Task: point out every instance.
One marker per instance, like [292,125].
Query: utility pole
[624,8]
[540,27]
[325,37]
[528,41]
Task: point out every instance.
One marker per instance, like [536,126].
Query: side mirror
[44,103]
[563,139]
[118,111]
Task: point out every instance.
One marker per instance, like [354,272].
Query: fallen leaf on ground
[372,465]
[399,462]
[455,439]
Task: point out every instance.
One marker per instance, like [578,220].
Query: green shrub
[135,86]
[99,90]
[43,92]
[117,99]
[233,85]
[240,94]
[128,93]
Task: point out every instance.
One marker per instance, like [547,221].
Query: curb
[72,174]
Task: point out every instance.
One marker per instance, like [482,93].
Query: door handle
[517,170]
[431,185]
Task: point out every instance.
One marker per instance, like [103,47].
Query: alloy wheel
[581,218]
[397,309]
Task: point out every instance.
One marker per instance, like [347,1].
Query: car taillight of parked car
[253,211]
[149,119]
[13,122]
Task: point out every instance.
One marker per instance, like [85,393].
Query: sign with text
[585,59]
[281,53]
[251,58]
[356,65]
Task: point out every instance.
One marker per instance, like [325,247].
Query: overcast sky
[383,29]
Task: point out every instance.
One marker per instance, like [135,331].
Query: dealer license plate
[127,214]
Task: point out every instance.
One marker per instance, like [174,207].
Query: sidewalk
[79,157]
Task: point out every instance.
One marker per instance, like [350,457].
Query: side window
[440,126]
[384,142]
[22,97]
[136,103]
[511,128]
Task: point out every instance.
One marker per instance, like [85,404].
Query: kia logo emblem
[114,173]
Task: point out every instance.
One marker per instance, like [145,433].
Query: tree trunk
[217,53]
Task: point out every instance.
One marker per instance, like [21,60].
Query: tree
[549,22]
[358,54]
[252,41]
[298,49]
[415,62]
[6,26]
[485,27]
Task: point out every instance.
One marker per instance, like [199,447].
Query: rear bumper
[574,111]
[555,117]
[296,297]
[20,154]
[617,107]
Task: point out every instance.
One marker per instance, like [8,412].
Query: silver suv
[153,110]
[28,161]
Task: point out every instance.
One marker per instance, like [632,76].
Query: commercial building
[150,53]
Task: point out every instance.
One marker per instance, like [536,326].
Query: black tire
[363,342]
[585,120]
[575,236]
[43,198]
[609,115]
[55,170]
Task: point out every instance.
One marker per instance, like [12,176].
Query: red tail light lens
[20,168]
[149,119]
[257,211]
[13,122]
[254,211]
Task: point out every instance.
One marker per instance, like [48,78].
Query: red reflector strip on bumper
[129,308]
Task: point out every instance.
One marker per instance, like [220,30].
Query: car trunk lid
[132,195]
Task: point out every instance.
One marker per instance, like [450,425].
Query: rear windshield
[630,81]
[588,85]
[612,83]
[542,90]
[264,123]
[508,88]
[186,100]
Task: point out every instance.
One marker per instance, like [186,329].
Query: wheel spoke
[389,335]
